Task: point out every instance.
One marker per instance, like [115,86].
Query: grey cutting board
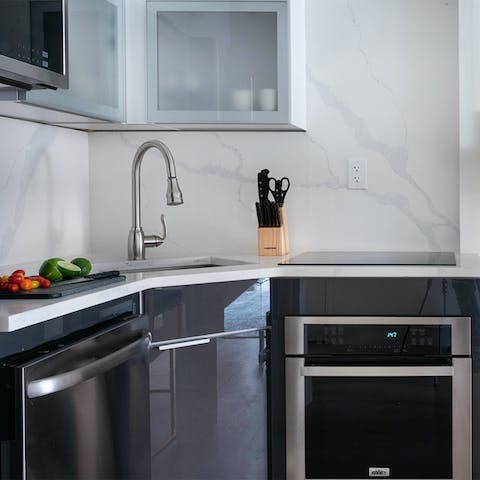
[59,290]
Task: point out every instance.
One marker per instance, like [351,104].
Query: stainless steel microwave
[33,43]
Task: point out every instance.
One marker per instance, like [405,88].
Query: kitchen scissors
[279,189]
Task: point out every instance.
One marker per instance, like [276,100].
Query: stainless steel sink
[160,265]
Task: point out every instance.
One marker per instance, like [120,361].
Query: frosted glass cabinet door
[217,62]
[96,62]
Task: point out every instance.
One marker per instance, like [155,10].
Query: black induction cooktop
[373,258]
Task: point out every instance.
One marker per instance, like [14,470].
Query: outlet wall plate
[357,173]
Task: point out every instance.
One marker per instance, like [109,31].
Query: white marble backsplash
[382,83]
[44,193]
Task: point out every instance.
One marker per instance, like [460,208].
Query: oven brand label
[378,471]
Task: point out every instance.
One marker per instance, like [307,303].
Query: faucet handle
[156,240]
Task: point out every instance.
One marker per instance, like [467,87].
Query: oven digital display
[378,339]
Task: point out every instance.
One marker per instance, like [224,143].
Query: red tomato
[26,285]
[19,272]
[3,285]
[44,283]
[17,278]
[13,287]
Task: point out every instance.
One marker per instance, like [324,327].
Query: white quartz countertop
[17,314]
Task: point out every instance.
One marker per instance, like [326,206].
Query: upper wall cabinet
[178,65]
[217,62]
[95,60]
[215,65]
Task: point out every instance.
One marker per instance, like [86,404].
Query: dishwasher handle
[62,381]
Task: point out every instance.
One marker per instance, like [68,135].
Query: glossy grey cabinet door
[96,62]
[208,401]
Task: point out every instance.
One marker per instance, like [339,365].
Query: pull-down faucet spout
[137,241]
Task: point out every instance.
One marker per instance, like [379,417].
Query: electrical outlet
[357,173]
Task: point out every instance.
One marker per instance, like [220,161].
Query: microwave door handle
[62,381]
[331,371]
[201,339]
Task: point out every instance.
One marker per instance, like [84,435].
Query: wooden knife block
[273,241]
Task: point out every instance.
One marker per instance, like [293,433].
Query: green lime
[69,270]
[84,264]
[49,269]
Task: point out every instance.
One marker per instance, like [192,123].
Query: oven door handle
[62,381]
[342,371]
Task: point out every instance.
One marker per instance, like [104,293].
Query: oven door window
[354,424]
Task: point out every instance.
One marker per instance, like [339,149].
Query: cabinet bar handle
[201,339]
[172,346]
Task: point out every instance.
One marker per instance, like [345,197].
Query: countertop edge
[18,314]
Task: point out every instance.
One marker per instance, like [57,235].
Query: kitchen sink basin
[160,265]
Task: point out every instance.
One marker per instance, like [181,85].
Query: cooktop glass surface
[373,258]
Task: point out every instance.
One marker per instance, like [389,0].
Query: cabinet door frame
[281,115]
[65,101]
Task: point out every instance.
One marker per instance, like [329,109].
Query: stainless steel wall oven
[370,397]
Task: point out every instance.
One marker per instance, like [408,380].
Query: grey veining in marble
[44,202]
[21,173]
[396,157]
[381,94]
[371,69]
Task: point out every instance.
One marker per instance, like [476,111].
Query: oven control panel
[378,339]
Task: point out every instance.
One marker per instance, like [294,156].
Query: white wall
[470,125]
[382,84]
[44,192]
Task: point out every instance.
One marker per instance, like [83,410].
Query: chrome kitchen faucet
[137,240]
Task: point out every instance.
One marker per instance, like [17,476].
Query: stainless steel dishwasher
[79,407]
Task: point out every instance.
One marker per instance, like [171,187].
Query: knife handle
[278,223]
[259,214]
[262,182]
[107,274]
